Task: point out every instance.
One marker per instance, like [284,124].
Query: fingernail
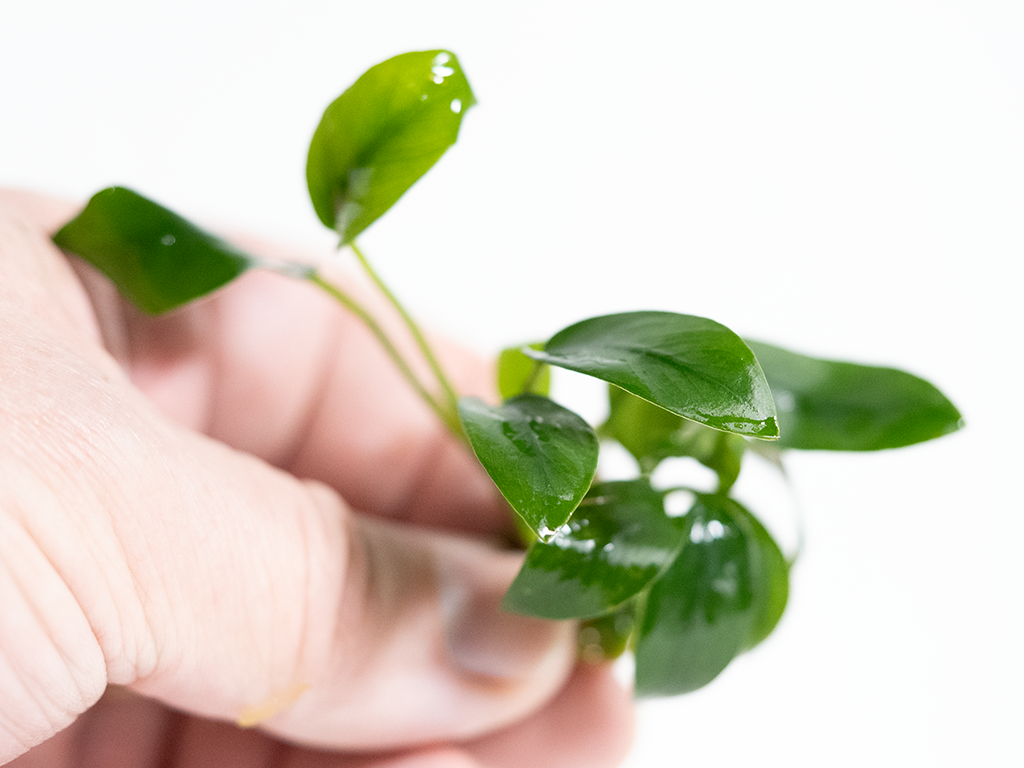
[484,640]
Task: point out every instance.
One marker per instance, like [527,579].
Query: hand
[156,544]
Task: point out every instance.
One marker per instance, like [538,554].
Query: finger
[276,368]
[588,725]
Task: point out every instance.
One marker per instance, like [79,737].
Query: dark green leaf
[519,374]
[700,614]
[689,365]
[771,579]
[541,456]
[157,259]
[825,405]
[653,434]
[618,540]
[382,134]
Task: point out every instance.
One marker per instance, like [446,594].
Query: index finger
[274,367]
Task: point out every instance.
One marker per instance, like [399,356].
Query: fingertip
[590,724]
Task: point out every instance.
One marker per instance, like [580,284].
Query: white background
[845,179]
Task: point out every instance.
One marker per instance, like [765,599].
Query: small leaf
[382,134]
[641,427]
[653,434]
[157,259]
[618,540]
[771,580]
[605,638]
[835,406]
[689,365]
[541,456]
[699,615]
[519,374]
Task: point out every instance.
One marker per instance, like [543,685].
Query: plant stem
[448,416]
[531,379]
[447,389]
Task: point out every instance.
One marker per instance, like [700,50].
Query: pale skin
[184,577]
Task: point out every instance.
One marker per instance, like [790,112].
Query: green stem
[447,389]
[448,417]
[532,377]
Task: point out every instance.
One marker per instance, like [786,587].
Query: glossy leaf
[618,540]
[541,456]
[826,405]
[771,580]
[157,259]
[689,365]
[382,134]
[652,434]
[700,614]
[519,374]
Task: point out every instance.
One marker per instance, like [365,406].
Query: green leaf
[518,374]
[618,540]
[700,614]
[382,134]
[652,434]
[642,428]
[605,638]
[771,579]
[541,456]
[835,406]
[157,259]
[689,365]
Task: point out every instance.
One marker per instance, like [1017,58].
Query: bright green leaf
[541,456]
[642,428]
[519,374]
[825,405]
[700,614]
[653,434]
[618,540]
[382,134]
[157,259]
[689,365]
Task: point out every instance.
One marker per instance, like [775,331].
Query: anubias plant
[687,592]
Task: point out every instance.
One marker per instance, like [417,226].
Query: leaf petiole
[450,397]
[449,416]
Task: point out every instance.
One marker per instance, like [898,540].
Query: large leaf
[541,456]
[617,541]
[689,365]
[701,613]
[156,258]
[825,405]
[652,434]
[382,134]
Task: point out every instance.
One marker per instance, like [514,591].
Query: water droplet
[168,240]
[456,105]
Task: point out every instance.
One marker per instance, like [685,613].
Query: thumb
[341,631]
[136,552]
[226,588]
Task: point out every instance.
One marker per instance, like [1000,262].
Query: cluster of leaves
[688,592]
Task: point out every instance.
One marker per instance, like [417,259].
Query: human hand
[140,550]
